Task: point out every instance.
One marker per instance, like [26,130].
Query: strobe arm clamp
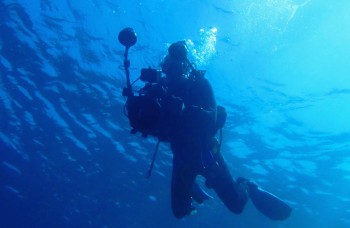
[128,38]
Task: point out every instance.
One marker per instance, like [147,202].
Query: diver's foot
[246,186]
[199,195]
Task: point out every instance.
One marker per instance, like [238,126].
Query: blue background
[67,159]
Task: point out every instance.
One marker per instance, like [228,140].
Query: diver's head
[178,51]
[175,64]
[172,67]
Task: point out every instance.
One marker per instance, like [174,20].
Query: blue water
[280,67]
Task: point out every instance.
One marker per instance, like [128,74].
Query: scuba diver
[192,138]
[187,116]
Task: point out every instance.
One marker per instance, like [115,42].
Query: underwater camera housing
[150,75]
[145,110]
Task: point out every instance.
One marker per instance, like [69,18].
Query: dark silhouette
[180,108]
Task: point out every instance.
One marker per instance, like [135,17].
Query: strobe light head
[127,37]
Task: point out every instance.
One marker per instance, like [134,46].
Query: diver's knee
[179,213]
[237,209]
[237,206]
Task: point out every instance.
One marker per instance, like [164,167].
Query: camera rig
[145,110]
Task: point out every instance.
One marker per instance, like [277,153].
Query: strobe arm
[128,38]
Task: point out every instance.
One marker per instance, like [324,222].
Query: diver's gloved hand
[268,204]
[156,90]
[174,105]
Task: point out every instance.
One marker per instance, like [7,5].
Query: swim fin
[268,204]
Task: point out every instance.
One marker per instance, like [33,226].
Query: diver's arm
[206,98]
[200,108]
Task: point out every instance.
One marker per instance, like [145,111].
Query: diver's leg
[233,195]
[181,188]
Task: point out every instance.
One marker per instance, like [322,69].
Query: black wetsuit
[192,136]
